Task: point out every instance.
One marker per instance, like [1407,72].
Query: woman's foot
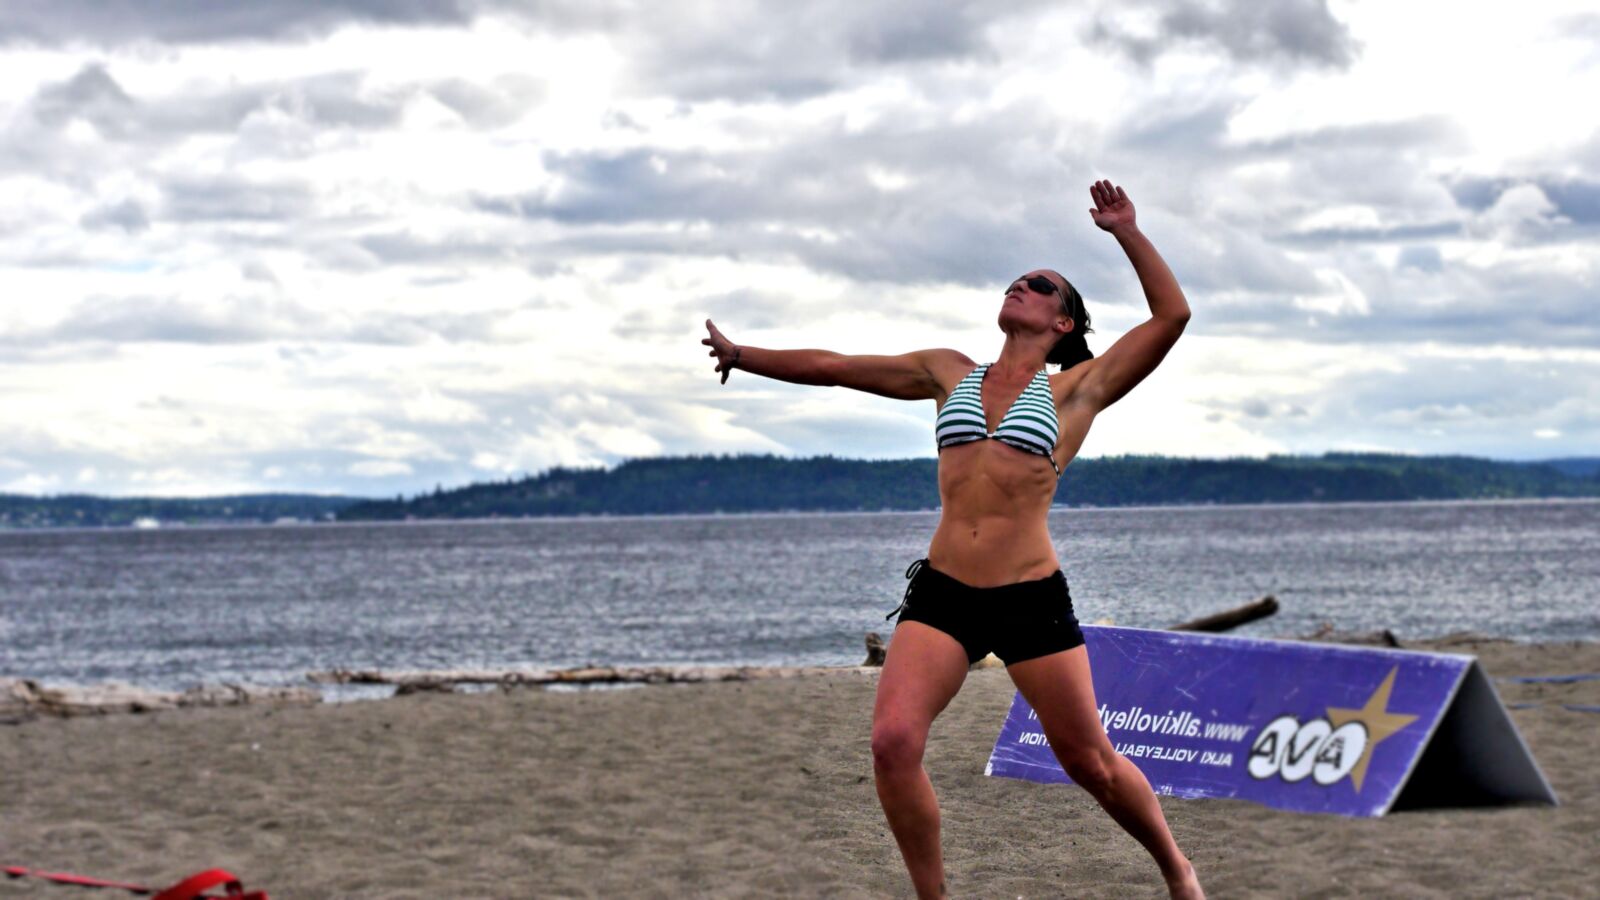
[1186,884]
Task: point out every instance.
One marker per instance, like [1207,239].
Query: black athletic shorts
[1013,621]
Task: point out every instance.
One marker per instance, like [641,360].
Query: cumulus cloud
[197,21]
[331,100]
[755,49]
[398,271]
[972,215]
[1281,31]
[127,215]
[248,320]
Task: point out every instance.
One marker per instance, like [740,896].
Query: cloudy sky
[367,247]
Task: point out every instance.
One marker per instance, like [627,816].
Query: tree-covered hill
[87,511]
[702,484]
[699,484]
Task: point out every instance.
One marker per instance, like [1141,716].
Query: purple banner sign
[1292,725]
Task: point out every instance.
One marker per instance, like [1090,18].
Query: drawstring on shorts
[911,577]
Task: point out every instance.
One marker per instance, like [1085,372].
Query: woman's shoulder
[948,366]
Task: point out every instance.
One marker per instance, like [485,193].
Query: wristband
[735,361]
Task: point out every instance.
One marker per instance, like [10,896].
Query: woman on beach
[991,581]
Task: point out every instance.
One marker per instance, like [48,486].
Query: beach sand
[715,790]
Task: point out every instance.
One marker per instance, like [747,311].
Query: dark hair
[1072,348]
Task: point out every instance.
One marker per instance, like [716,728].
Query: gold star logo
[1376,718]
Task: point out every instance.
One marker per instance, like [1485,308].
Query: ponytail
[1073,347]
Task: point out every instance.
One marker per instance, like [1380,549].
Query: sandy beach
[715,790]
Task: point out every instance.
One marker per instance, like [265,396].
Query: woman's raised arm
[1137,353]
[918,375]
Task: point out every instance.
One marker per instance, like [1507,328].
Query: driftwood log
[1232,618]
[587,675]
[22,699]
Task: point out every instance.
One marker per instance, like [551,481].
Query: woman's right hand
[722,348]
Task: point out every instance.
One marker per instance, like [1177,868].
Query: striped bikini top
[1030,424]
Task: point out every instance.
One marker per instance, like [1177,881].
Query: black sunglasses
[1042,285]
[1038,284]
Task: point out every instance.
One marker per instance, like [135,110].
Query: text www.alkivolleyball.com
[1172,722]
[1176,723]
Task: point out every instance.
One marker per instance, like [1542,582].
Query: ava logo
[1294,750]
[1327,749]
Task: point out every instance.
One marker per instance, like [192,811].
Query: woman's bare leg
[923,670]
[1060,690]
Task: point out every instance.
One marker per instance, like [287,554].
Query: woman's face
[1028,308]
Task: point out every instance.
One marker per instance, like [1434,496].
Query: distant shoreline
[775,485]
[795,514]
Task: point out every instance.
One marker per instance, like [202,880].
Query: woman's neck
[1018,360]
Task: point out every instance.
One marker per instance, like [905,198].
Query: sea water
[173,607]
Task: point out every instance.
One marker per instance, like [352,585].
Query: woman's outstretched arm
[910,376]
[1137,353]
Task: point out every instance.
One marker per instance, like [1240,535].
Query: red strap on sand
[191,888]
[80,880]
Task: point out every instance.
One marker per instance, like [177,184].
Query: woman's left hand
[1113,210]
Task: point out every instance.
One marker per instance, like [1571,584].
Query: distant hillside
[699,484]
[1578,466]
[85,511]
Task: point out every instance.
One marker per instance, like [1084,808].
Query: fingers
[1106,194]
[712,343]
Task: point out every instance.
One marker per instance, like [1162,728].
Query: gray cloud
[762,307]
[1279,31]
[1492,404]
[127,215]
[1383,164]
[489,106]
[1523,304]
[730,47]
[53,23]
[141,319]
[224,198]
[1431,405]
[92,95]
[1325,236]
[328,100]
[1422,257]
[981,201]
[405,248]
[1577,199]
[980,206]
[253,270]
[247,320]
[751,49]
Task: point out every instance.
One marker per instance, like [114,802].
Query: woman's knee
[897,746]
[1094,769]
